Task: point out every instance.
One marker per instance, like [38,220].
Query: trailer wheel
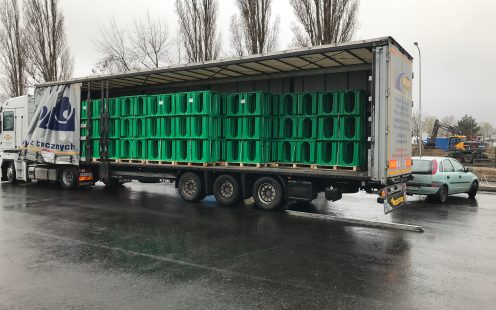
[68,177]
[191,187]
[11,173]
[268,193]
[226,190]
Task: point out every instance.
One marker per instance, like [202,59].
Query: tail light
[434,167]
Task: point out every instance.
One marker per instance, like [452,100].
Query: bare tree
[324,21]
[198,28]
[252,32]
[49,56]
[13,49]
[116,50]
[145,46]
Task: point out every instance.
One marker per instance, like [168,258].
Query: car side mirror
[468,169]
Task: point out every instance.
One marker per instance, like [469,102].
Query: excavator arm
[431,141]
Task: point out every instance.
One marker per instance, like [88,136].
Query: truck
[65,153]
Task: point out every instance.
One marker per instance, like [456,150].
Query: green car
[438,177]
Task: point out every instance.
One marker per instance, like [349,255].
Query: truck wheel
[226,190]
[68,177]
[473,189]
[191,187]
[468,158]
[11,173]
[268,193]
[442,194]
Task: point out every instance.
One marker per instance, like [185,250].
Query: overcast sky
[456,38]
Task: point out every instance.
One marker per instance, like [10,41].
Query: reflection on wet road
[140,246]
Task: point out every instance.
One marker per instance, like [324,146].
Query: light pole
[419,141]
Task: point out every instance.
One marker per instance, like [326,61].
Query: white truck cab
[15,116]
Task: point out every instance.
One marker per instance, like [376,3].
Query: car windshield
[420,166]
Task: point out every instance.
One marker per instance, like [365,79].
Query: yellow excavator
[458,145]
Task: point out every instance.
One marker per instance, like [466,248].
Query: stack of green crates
[342,131]
[197,127]
[295,132]
[322,128]
[246,127]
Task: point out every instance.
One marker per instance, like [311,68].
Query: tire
[113,182]
[10,173]
[442,194]
[68,177]
[268,193]
[468,158]
[473,189]
[191,187]
[226,190]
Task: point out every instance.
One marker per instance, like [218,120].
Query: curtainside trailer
[330,119]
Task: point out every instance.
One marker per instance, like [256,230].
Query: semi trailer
[281,126]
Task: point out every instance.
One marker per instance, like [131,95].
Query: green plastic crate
[351,154]
[114,107]
[84,110]
[114,128]
[139,127]
[232,105]
[255,152]
[139,149]
[195,103]
[126,106]
[353,102]
[328,128]
[255,127]
[83,132]
[95,108]
[205,127]
[182,127]
[152,125]
[307,103]
[305,152]
[288,127]
[286,151]
[352,128]
[95,128]
[329,103]
[287,104]
[152,106]
[327,153]
[197,150]
[233,151]
[167,150]
[307,127]
[113,148]
[153,149]
[126,125]
[126,148]
[165,104]
[233,127]
[166,127]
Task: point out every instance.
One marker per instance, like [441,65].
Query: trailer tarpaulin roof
[325,58]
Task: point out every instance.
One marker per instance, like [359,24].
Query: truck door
[7,137]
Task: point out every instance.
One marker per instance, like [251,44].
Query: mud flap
[393,197]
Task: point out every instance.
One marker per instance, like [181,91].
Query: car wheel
[268,193]
[473,189]
[11,173]
[442,194]
[226,190]
[190,187]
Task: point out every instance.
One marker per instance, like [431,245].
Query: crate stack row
[180,127]
[314,128]
[246,128]
[319,128]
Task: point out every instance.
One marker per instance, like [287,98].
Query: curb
[487,188]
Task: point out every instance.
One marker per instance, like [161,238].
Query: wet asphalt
[141,247]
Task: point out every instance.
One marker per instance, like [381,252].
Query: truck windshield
[421,166]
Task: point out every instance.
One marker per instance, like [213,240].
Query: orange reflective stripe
[408,162]
[86,178]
